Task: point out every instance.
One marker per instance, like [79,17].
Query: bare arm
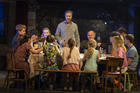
[36,51]
[77,38]
[58,33]
[84,57]
[129,61]
[98,57]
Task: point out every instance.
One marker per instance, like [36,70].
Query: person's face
[124,35]
[68,17]
[46,32]
[99,44]
[91,35]
[22,32]
[113,40]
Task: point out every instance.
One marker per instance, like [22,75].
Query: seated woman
[22,53]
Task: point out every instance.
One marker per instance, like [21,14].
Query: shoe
[70,88]
[65,88]
[51,87]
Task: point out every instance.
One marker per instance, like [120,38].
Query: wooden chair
[14,71]
[133,78]
[113,72]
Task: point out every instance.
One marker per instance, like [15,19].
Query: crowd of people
[66,44]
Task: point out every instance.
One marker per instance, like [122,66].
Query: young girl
[33,58]
[71,58]
[120,52]
[92,57]
[45,32]
[50,50]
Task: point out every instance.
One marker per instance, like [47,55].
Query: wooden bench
[92,74]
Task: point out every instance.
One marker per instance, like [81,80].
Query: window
[2,23]
[1,19]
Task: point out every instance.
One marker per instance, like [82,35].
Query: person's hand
[42,39]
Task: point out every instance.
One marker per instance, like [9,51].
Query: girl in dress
[71,58]
[120,51]
[92,57]
[51,51]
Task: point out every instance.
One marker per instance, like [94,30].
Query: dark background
[103,16]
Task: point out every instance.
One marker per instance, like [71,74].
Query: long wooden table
[68,71]
[92,74]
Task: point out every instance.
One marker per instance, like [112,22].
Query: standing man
[132,54]
[67,29]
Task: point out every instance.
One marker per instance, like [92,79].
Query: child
[45,32]
[34,59]
[91,56]
[50,50]
[114,33]
[120,52]
[71,58]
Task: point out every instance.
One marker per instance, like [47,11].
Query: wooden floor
[45,91]
[21,90]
